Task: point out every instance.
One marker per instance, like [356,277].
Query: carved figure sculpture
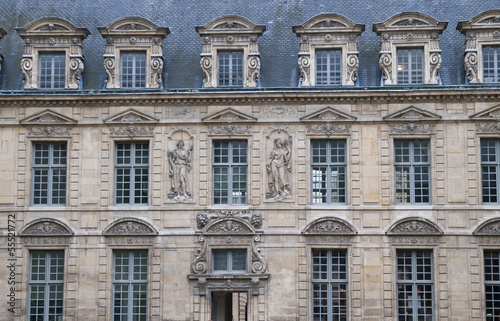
[278,166]
[179,161]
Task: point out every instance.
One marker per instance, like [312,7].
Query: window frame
[50,167]
[231,166]
[491,283]
[414,282]
[409,76]
[52,77]
[230,73]
[47,283]
[131,282]
[229,260]
[496,165]
[412,165]
[330,281]
[132,166]
[329,165]
[329,51]
[496,68]
[134,75]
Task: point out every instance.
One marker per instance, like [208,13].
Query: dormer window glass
[133,71]
[230,69]
[52,70]
[328,67]
[410,66]
[491,64]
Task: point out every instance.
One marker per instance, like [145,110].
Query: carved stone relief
[129,226]
[279,111]
[330,226]
[491,228]
[46,228]
[414,226]
[234,284]
[279,130]
[51,240]
[491,128]
[49,131]
[412,128]
[181,112]
[422,240]
[179,164]
[329,239]
[172,130]
[130,240]
[329,129]
[202,219]
[132,131]
[229,130]
[279,169]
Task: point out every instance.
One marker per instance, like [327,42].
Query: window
[492,284]
[130,285]
[329,285]
[229,261]
[230,172]
[52,71]
[412,171]
[46,286]
[410,66]
[133,71]
[415,285]
[490,164]
[230,68]
[132,173]
[328,67]
[328,171]
[491,63]
[49,173]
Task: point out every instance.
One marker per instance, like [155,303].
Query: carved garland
[204,218]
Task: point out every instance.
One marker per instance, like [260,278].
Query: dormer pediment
[412,114]
[230,25]
[410,21]
[328,114]
[414,226]
[229,115]
[133,26]
[131,116]
[492,113]
[52,27]
[328,23]
[47,117]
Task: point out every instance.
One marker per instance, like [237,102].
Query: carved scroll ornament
[305,69]
[129,226]
[414,225]
[253,71]
[204,218]
[385,63]
[470,64]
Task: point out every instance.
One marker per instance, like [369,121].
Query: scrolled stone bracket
[305,69]
[471,67]
[385,63]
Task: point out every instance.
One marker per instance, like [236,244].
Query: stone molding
[412,114]
[411,128]
[132,131]
[483,29]
[489,227]
[204,218]
[230,33]
[410,29]
[490,121]
[131,116]
[236,283]
[129,226]
[328,31]
[134,34]
[328,114]
[414,226]
[46,226]
[488,128]
[229,115]
[49,35]
[48,117]
[229,130]
[329,225]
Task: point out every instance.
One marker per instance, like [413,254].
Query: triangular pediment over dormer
[229,115]
[412,114]
[131,116]
[328,114]
[47,117]
[492,113]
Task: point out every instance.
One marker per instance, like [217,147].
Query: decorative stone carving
[414,225]
[329,129]
[131,116]
[179,163]
[236,283]
[130,240]
[416,240]
[488,240]
[132,131]
[412,114]
[328,32]
[45,226]
[279,130]
[229,130]
[203,218]
[278,168]
[279,111]
[52,34]
[229,116]
[329,225]
[328,239]
[412,128]
[182,112]
[173,130]
[417,28]
[483,29]
[242,35]
[490,227]
[49,131]
[48,117]
[228,226]
[51,240]
[490,128]
[129,226]
[134,34]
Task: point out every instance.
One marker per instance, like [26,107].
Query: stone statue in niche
[278,166]
[179,161]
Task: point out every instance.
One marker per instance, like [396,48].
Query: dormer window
[230,55]
[328,51]
[53,55]
[482,47]
[409,52]
[134,53]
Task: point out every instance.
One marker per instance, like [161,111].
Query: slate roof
[278,45]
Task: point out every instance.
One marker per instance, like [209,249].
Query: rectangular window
[490,165]
[415,285]
[230,68]
[46,285]
[492,284]
[133,70]
[329,285]
[52,71]
[328,67]
[49,173]
[230,172]
[410,66]
[132,173]
[229,261]
[130,285]
[328,171]
[412,171]
[491,64]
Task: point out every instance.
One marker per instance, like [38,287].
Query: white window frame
[411,79]
[51,168]
[494,170]
[132,166]
[229,261]
[135,83]
[229,70]
[132,283]
[52,284]
[496,63]
[53,78]
[330,81]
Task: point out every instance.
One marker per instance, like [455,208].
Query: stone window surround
[230,33]
[131,34]
[52,35]
[482,30]
[410,30]
[328,32]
